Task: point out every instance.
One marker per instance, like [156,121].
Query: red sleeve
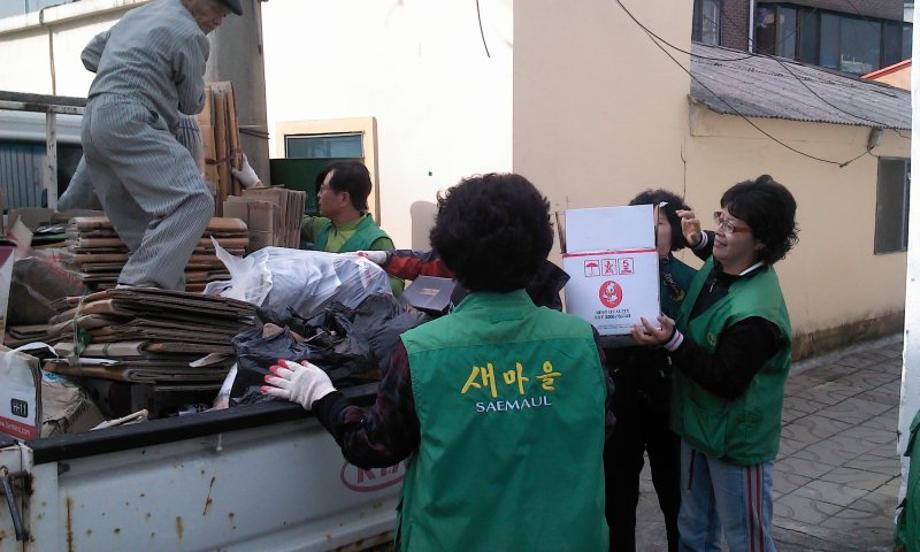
[409,265]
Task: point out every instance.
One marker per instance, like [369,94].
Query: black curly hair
[674,203]
[493,231]
[769,209]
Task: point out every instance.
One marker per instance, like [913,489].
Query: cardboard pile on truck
[96,253]
[148,337]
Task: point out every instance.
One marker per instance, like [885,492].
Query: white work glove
[378,257]
[247,176]
[301,383]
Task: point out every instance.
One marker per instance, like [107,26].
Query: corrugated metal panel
[21,174]
[759,86]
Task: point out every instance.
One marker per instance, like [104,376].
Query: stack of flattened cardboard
[145,335]
[273,215]
[96,253]
[220,138]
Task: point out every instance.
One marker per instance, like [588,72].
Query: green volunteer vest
[366,233]
[675,280]
[510,400]
[744,431]
[908,534]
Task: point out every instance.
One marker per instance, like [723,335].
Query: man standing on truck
[499,406]
[150,67]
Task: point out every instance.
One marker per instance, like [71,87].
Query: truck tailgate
[265,477]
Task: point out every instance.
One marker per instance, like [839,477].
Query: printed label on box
[623,289]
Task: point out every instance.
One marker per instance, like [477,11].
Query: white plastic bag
[281,280]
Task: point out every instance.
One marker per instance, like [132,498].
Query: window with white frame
[707,21]
[325,146]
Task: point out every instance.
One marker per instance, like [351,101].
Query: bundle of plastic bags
[291,283]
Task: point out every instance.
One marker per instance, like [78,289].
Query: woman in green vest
[731,345]
[498,407]
[641,401]
[907,538]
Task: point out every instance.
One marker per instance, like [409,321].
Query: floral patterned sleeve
[383,434]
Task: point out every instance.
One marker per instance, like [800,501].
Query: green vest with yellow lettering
[510,400]
[746,430]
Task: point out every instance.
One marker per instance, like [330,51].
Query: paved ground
[837,475]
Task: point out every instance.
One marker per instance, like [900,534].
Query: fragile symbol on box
[592,268]
[626,265]
[610,294]
[609,267]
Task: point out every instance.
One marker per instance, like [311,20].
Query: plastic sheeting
[286,283]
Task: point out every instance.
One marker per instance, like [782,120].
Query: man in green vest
[498,406]
[732,347]
[344,224]
[907,538]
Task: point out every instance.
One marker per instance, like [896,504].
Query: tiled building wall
[735,21]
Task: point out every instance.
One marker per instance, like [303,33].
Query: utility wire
[652,36]
[750,41]
[689,53]
[481,32]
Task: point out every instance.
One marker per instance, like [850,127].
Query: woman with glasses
[731,345]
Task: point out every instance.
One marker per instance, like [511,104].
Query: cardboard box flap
[610,228]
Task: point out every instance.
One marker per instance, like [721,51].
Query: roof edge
[886,70]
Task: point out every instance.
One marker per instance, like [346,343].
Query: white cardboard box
[614,279]
[20,402]
[610,228]
[7,258]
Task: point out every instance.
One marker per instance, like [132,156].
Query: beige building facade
[573,95]
[601,113]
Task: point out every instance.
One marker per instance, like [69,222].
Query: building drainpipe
[751,11]
[237,56]
[910,373]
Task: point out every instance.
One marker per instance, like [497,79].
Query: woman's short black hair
[493,231]
[769,209]
[352,177]
[674,203]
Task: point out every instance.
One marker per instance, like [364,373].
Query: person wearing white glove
[376,257]
[302,383]
[247,175]
[498,402]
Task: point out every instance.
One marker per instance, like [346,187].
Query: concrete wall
[599,111]
[836,288]
[40,51]
[899,78]
[442,108]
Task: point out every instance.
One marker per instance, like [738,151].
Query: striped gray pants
[149,186]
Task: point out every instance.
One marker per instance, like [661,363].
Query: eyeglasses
[728,226]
